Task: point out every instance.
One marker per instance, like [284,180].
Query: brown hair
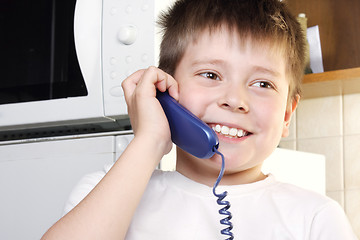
[261,20]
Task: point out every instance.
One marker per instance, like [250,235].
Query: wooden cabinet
[344,75]
[331,83]
[339,23]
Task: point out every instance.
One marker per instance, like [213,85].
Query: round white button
[113,11]
[113,61]
[113,75]
[127,35]
[145,7]
[116,91]
[128,9]
[129,59]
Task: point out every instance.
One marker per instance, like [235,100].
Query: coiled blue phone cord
[220,201]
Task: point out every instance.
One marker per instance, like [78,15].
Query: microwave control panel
[128,45]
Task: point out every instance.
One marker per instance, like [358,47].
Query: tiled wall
[330,125]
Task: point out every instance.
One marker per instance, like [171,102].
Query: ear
[290,109]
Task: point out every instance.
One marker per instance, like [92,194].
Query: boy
[238,66]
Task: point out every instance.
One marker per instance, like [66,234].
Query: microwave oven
[63,63]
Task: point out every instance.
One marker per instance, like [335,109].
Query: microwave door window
[38,58]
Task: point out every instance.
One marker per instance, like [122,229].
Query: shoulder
[322,209]
[297,195]
[84,186]
[323,216]
[291,199]
[162,179]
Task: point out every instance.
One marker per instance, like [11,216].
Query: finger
[144,82]
[173,88]
[161,80]
[169,84]
[130,83]
[152,78]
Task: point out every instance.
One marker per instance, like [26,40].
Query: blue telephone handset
[195,137]
[187,131]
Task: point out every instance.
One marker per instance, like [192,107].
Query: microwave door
[39,61]
[41,82]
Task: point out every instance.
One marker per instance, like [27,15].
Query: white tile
[331,147]
[352,209]
[352,114]
[352,161]
[292,133]
[319,117]
[288,145]
[338,196]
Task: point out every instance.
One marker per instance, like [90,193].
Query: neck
[206,171]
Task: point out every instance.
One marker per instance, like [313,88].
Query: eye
[210,75]
[263,84]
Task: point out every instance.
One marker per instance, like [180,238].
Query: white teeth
[225,130]
[240,133]
[232,132]
[217,128]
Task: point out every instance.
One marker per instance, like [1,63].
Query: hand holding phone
[195,137]
[187,131]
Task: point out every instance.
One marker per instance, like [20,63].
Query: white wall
[329,125]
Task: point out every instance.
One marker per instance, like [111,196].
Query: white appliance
[304,169]
[112,38]
[36,178]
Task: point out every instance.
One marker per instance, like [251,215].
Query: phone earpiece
[187,131]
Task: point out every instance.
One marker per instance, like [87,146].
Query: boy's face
[240,89]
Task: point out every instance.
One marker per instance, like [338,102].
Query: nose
[234,99]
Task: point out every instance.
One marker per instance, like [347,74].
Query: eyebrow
[261,69]
[221,62]
[208,62]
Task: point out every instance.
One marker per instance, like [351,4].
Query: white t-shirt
[175,207]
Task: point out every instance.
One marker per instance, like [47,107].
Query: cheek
[192,102]
[187,98]
[194,99]
[273,112]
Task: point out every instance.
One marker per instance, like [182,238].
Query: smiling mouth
[230,132]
